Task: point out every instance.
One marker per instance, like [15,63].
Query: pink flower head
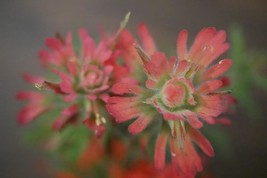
[85,73]
[184,90]
[85,77]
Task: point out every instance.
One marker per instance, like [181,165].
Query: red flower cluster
[182,89]
[85,78]
[133,82]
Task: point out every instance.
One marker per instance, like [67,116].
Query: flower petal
[210,86]
[217,69]
[88,45]
[32,79]
[160,151]
[181,45]
[30,112]
[202,142]
[202,38]
[72,109]
[59,123]
[181,67]
[63,120]
[193,120]
[210,106]
[53,43]
[66,82]
[157,66]
[211,48]
[122,115]
[147,41]
[124,88]
[216,53]
[45,57]
[102,52]
[29,95]
[139,124]
[123,100]
[72,67]
[186,162]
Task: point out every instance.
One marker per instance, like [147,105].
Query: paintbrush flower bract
[181,92]
[81,82]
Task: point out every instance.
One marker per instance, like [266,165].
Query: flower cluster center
[173,94]
[93,77]
[176,94]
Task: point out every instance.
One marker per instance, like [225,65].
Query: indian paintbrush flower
[85,78]
[182,90]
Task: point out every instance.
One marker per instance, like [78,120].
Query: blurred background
[25,25]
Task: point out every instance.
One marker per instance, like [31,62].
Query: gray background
[24,25]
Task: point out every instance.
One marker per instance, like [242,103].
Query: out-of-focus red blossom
[113,157]
[92,155]
[183,89]
[97,153]
[85,79]
[118,150]
[141,169]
